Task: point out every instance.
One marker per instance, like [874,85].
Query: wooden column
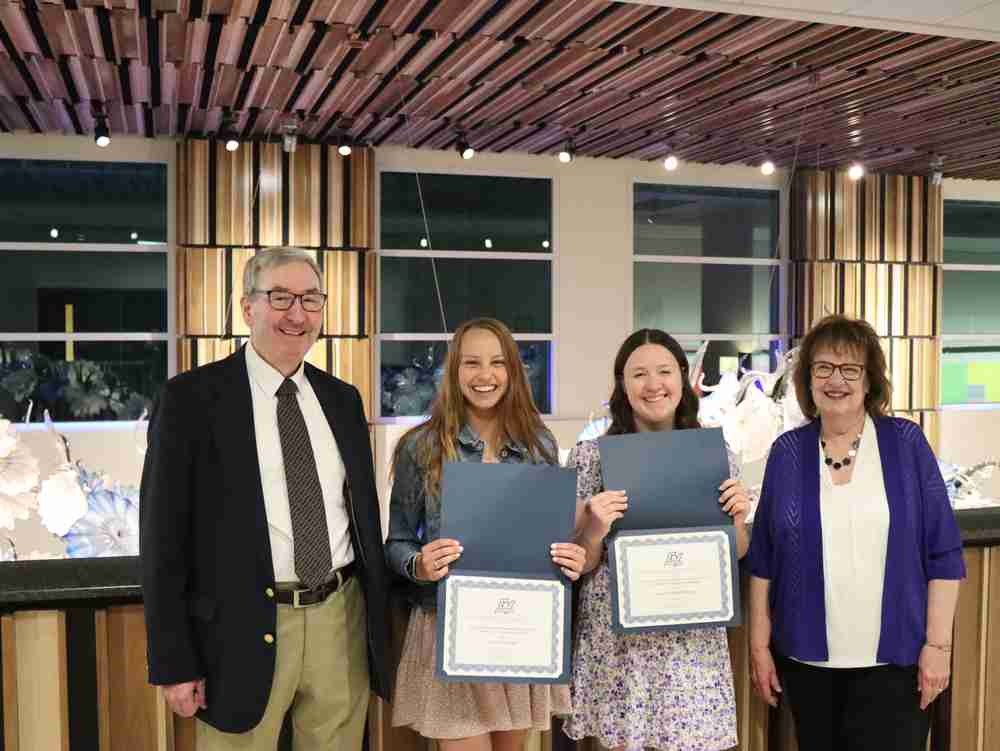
[230,204]
[873,249]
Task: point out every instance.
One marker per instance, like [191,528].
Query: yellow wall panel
[269,194]
[305,195]
[234,195]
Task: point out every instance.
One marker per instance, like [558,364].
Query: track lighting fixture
[102,137]
[670,163]
[568,153]
[344,149]
[856,172]
[767,167]
[466,151]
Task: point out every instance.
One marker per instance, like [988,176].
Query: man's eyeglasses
[848,370]
[279,299]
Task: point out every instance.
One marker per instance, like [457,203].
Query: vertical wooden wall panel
[362,167]
[192,192]
[299,196]
[871,253]
[305,195]
[335,202]
[234,195]
[269,194]
[991,658]
[967,667]
[41,679]
[240,257]
[103,665]
[135,718]
[11,721]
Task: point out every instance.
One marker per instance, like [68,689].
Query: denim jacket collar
[468,437]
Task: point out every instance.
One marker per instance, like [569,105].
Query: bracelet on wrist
[942,646]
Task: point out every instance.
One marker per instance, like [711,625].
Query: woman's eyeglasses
[848,370]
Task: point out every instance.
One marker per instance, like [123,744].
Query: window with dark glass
[48,201]
[453,248]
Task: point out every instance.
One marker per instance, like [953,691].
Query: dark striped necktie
[311,537]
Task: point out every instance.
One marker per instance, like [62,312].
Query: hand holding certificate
[673,556]
[503,611]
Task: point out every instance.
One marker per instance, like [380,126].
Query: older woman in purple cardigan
[855,558]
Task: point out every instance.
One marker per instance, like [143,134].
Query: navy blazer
[205,547]
[786,545]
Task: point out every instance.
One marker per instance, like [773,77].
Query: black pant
[855,709]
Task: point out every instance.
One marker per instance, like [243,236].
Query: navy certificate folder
[671,477]
[507,515]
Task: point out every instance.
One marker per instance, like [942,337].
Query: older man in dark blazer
[263,575]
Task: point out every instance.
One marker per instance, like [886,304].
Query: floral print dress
[671,691]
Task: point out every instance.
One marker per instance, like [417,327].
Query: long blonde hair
[434,440]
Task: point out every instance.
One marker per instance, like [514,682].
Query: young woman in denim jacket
[483,413]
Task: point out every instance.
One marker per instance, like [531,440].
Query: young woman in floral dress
[671,690]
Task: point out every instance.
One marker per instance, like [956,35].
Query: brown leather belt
[301,598]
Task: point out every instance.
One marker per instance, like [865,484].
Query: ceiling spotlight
[289,136]
[937,169]
[344,149]
[767,167]
[232,144]
[856,172]
[53,233]
[466,151]
[670,163]
[567,154]
[101,135]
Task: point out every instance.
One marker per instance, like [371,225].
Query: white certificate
[500,628]
[673,579]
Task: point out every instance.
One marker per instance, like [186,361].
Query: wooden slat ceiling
[620,80]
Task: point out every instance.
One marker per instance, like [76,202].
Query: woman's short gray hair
[272,258]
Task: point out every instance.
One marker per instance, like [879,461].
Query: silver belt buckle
[296,592]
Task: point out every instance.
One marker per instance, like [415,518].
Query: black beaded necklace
[846,461]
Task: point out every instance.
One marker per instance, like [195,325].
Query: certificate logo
[674,559]
[505,606]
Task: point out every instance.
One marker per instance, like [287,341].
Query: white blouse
[855,524]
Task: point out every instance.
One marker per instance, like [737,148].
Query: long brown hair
[840,333]
[434,440]
[622,419]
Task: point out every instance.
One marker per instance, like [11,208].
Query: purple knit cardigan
[787,543]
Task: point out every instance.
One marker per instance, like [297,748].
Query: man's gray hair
[272,258]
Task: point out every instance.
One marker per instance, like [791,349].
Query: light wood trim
[235,310]
[42,686]
[133,706]
[970,621]
[269,194]
[233,195]
[305,194]
[192,190]
[991,691]
[11,720]
[335,200]
[103,679]
[362,165]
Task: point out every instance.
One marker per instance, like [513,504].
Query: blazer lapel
[234,424]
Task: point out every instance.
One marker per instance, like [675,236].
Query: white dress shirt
[855,522]
[264,383]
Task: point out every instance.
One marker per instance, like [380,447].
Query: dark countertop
[92,582]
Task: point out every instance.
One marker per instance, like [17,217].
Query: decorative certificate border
[623,619]
[449,600]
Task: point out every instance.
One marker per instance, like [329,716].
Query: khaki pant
[320,674]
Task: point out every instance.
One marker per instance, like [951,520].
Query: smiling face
[283,337]
[482,371]
[835,396]
[654,385]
